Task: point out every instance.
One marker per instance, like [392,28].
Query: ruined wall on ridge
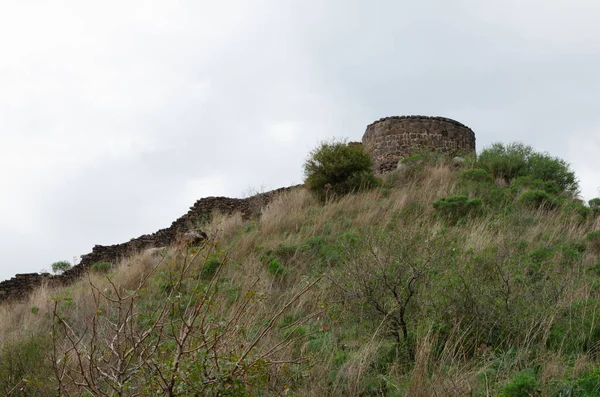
[387,141]
[21,285]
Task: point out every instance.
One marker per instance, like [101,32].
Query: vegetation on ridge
[338,168]
[444,280]
[60,267]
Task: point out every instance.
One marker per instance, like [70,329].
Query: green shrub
[594,239]
[476,175]
[60,267]
[275,268]
[415,158]
[507,162]
[524,384]
[535,261]
[576,208]
[540,256]
[586,385]
[517,160]
[595,205]
[338,168]
[576,337]
[523,183]
[543,166]
[595,268]
[101,267]
[571,252]
[273,262]
[210,268]
[455,208]
[537,199]
[526,182]
[24,369]
[325,250]
[551,187]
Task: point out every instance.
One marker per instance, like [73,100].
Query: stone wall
[386,140]
[392,138]
[21,285]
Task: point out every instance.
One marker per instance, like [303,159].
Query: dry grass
[296,216]
[286,212]
[31,315]
[350,379]
[224,225]
[554,367]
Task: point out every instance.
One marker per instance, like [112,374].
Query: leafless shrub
[171,338]
[386,274]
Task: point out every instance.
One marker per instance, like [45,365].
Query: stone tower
[392,138]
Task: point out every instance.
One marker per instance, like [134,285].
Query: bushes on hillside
[524,384]
[595,205]
[22,369]
[528,182]
[577,209]
[507,162]
[516,159]
[455,208]
[476,175]
[594,239]
[384,276]
[536,199]
[60,267]
[586,385]
[101,267]
[338,168]
[179,340]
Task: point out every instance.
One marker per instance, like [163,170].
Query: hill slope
[376,293]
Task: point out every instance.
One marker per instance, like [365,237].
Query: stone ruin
[21,285]
[387,140]
[390,139]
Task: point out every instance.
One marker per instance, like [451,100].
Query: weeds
[500,299]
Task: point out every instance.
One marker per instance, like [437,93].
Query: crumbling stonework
[21,285]
[386,140]
[392,138]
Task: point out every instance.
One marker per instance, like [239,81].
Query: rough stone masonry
[390,139]
[387,141]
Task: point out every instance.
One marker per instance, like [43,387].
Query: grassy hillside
[442,281]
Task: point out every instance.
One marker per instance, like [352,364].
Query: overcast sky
[116,116]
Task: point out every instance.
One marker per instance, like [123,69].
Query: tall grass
[510,289]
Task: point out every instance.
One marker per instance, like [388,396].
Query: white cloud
[284,132]
[567,25]
[583,149]
[116,116]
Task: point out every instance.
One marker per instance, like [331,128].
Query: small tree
[505,161]
[60,267]
[386,275]
[516,160]
[595,205]
[338,168]
[175,340]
